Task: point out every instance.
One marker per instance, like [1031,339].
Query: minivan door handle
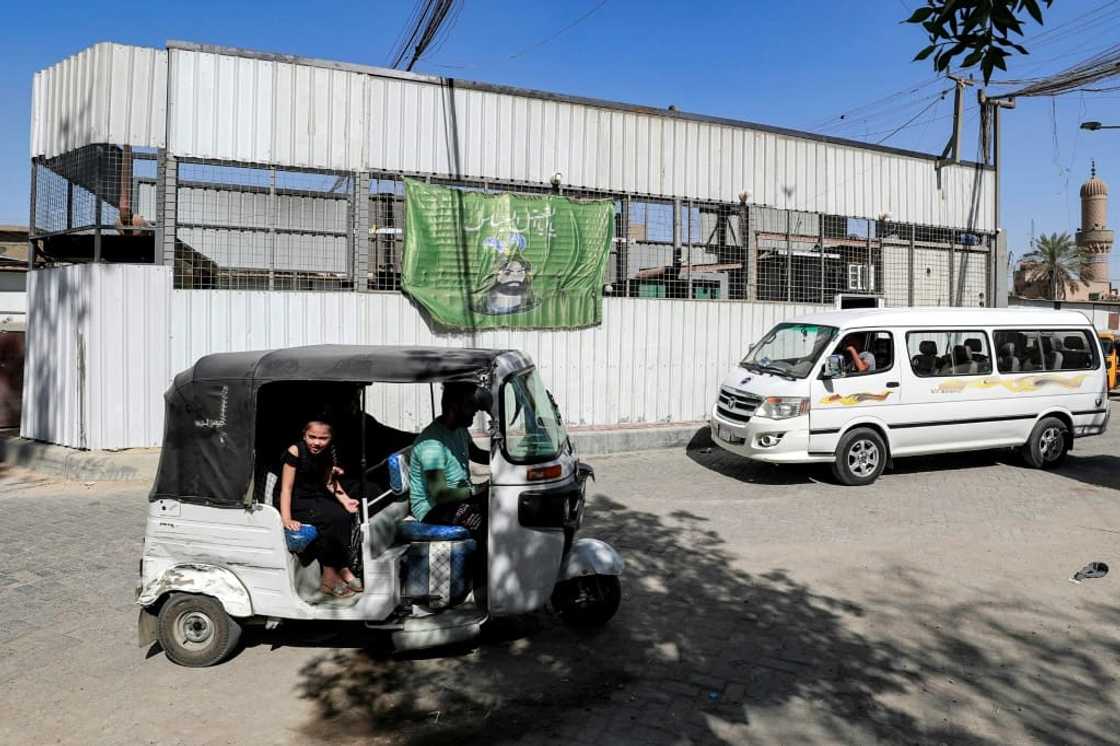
[892,384]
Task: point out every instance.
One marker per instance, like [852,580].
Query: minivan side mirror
[833,367]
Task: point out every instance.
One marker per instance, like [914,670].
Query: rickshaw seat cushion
[415,532]
[299,539]
[440,571]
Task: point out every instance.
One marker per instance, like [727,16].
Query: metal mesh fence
[245,226]
[93,203]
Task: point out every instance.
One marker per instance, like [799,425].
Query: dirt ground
[761,605]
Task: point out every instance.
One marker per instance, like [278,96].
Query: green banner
[486,261]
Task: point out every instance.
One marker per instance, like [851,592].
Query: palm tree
[1058,264]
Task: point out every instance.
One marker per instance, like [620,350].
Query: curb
[80,466]
[139,464]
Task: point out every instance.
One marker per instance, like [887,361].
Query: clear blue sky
[797,64]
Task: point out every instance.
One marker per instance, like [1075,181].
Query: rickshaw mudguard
[591,557]
[206,580]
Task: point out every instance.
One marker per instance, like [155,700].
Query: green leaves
[978,29]
[1059,263]
[920,15]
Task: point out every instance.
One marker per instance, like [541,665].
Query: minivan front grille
[736,406]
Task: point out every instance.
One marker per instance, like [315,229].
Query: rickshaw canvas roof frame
[210,413]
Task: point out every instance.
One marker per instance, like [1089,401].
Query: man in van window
[856,359]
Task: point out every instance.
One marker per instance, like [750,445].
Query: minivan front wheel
[860,457]
[1048,444]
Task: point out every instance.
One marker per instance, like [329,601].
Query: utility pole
[952,150]
[994,105]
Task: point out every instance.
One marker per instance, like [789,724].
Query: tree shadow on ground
[697,647]
[1004,669]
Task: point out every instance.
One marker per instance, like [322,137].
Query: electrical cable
[911,120]
[570,26]
[426,23]
[529,48]
[1099,67]
[416,22]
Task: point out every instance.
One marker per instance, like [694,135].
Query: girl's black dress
[314,503]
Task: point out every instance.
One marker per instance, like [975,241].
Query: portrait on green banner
[483,261]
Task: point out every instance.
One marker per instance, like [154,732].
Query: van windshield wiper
[771,369]
[778,372]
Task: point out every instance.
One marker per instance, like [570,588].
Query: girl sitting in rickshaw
[310,492]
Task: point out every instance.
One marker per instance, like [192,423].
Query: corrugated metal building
[224,176]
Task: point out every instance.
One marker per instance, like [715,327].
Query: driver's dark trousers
[447,514]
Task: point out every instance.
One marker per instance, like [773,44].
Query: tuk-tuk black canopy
[210,409]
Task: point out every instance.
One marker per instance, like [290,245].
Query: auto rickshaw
[215,556]
[1111,357]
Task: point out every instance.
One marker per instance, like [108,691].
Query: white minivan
[856,388]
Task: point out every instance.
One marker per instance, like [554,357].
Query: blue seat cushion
[438,574]
[412,532]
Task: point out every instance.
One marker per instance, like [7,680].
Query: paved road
[761,605]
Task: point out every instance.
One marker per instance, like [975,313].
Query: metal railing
[246,226]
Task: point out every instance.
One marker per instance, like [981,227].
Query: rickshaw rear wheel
[587,601]
[195,631]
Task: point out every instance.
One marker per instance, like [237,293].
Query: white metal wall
[225,104]
[108,93]
[56,363]
[650,361]
[1097,313]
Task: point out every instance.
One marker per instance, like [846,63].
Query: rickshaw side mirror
[483,399]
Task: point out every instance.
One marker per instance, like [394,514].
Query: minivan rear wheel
[860,457]
[1048,444]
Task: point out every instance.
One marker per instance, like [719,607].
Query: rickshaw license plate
[727,436]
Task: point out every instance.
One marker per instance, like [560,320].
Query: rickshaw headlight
[783,407]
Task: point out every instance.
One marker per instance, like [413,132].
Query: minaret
[1093,235]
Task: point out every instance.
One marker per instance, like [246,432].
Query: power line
[415,23]
[1099,67]
[425,23]
[570,26]
[911,120]
[532,46]
[890,98]
[1071,29]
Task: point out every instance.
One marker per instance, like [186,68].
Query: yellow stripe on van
[849,399]
[1026,384]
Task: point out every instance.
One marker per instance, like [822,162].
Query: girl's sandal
[341,590]
[355,585]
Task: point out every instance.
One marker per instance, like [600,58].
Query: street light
[1094,126]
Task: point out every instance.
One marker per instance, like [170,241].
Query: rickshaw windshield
[531,426]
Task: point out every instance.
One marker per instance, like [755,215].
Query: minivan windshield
[531,425]
[789,350]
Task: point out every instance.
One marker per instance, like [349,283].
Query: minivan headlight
[783,407]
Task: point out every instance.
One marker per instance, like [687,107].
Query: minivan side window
[949,353]
[875,349]
[1034,350]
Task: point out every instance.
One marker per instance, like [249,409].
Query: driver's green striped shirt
[437,447]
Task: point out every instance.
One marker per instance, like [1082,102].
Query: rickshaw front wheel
[587,601]
[195,631]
